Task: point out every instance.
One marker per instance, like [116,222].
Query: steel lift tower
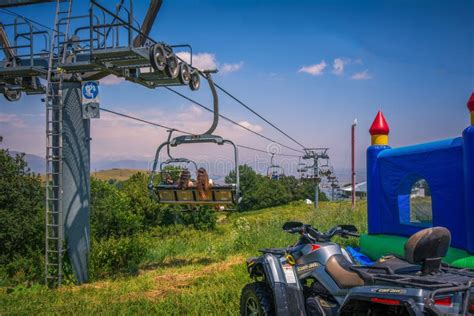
[315,154]
[70,57]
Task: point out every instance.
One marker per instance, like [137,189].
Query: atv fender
[411,299]
[283,282]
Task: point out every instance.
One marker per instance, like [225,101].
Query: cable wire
[266,152]
[230,120]
[181,131]
[144,121]
[257,114]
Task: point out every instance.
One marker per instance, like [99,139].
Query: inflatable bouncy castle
[414,187]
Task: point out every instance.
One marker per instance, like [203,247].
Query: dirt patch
[175,281]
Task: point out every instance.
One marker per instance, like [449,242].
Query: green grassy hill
[115,173]
[187,271]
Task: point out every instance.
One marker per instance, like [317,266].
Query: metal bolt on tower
[54,238]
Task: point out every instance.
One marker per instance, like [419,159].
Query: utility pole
[315,154]
[353,164]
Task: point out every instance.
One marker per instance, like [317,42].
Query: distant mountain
[36,163]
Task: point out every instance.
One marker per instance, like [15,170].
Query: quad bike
[317,277]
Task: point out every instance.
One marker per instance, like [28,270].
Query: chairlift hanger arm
[215,98]
[148,22]
[155,164]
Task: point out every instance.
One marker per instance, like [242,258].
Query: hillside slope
[187,271]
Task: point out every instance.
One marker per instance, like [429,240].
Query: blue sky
[309,66]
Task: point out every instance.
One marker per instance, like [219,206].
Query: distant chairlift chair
[275,172]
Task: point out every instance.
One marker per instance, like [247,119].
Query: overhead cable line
[267,152]
[144,121]
[230,120]
[257,114]
[181,131]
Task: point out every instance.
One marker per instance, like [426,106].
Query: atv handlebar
[312,233]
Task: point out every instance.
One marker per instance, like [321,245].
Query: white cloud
[338,66]
[315,70]
[111,80]
[254,127]
[363,75]
[202,61]
[227,68]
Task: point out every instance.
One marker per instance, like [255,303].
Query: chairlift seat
[219,195]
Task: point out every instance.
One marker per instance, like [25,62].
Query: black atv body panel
[281,277]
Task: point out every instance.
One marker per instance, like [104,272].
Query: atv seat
[428,247]
[340,269]
[423,252]
[393,264]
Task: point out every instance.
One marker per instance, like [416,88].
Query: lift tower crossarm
[17,3]
[6,46]
[148,22]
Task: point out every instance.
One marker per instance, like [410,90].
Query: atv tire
[256,299]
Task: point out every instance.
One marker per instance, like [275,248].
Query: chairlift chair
[220,195]
[274,171]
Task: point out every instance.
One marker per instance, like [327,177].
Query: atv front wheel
[256,299]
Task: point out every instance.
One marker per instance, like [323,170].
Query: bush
[22,219]
[116,256]
[202,218]
[112,214]
[259,191]
[140,201]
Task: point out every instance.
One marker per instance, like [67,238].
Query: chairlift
[301,166]
[325,171]
[312,178]
[220,195]
[326,164]
[275,172]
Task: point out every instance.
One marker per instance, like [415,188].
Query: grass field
[187,271]
[117,174]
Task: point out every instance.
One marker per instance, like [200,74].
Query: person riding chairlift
[203,183]
[185,181]
[168,179]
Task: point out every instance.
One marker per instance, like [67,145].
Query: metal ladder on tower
[54,223]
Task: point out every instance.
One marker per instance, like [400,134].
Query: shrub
[202,218]
[22,218]
[116,256]
[140,201]
[111,212]
[259,191]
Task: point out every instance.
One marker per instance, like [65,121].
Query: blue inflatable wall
[448,168]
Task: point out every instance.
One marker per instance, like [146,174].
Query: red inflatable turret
[470,106]
[379,130]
